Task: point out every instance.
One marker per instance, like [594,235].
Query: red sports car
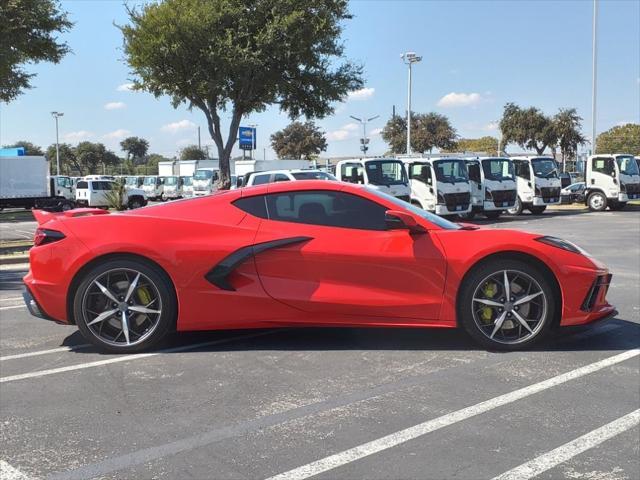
[303,254]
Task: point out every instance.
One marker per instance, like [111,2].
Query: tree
[94,157]
[29,148]
[567,124]
[192,152]
[428,131]
[240,57]
[299,140]
[28,35]
[529,128]
[68,162]
[136,148]
[620,139]
[488,145]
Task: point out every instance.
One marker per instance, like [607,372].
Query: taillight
[44,236]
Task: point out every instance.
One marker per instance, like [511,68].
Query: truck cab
[187,186]
[493,186]
[387,175]
[133,181]
[62,186]
[153,186]
[204,181]
[439,185]
[612,180]
[538,182]
[172,188]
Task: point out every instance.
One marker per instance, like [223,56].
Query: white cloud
[178,126]
[114,105]
[116,134]
[125,87]
[77,136]
[454,99]
[491,126]
[362,94]
[343,133]
[375,132]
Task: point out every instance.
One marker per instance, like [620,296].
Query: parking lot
[333,403]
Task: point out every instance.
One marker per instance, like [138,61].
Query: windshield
[171,180]
[435,219]
[150,180]
[205,175]
[497,169]
[627,164]
[187,181]
[386,172]
[131,181]
[313,175]
[451,171]
[544,168]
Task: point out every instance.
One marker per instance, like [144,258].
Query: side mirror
[397,220]
[429,181]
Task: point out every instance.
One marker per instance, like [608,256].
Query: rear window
[255,206]
[82,184]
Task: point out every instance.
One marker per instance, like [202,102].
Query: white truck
[167,169]
[95,193]
[612,180]
[25,183]
[272,176]
[241,167]
[439,185]
[153,186]
[387,175]
[538,184]
[172,189]
[205,177]
[493,186]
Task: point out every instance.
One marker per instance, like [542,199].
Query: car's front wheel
[517,207]
[125,305]
[597,202]
[507,304]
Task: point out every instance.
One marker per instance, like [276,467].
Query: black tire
[537,210]
[597,202]
[493,215]
[517,208]
[135,202]
[478,275]
[468,216]
[617,205]
[166,319]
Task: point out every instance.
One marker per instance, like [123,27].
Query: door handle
[593,180]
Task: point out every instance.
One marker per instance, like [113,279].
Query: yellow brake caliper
[489,290]
[143,295]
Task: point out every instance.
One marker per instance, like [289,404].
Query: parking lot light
[409,58]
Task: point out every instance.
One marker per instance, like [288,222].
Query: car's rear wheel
[507,304]
[135,202]
[124,305]
[470,215]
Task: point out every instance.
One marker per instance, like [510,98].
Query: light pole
[57,115]
[594,76]
[409,58]
[364,140]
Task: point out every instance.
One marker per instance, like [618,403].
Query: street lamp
[409,58]
[364,140]
[594,75]
[57,115]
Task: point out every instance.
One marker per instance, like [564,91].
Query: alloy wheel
[122,307]
[509,307]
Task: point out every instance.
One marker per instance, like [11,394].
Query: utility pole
[409,58]
[199,145]
[364,141]
[594,76]
[57,115]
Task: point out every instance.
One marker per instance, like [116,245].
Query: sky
[477,55]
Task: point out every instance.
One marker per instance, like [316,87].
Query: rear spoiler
[43,216]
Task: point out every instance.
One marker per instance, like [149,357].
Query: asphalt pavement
[333,403]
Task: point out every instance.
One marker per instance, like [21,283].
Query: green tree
[529,128]
[620,139]
[299,140]
[136,148]
[69,164]
[428,131]
[567,124]
[94,157]
[241,56]
[192,152]
[488,145]
[29,148]
[28,35]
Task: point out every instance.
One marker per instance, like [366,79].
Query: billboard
[247,138]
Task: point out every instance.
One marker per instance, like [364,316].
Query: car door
[341,260]
[421,184]
[603,175]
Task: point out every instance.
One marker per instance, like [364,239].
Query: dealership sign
[247,138]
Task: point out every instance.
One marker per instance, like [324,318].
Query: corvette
[307,253]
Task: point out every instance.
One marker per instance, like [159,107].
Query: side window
[420,172]
[331,209]
[261,179]
[82,184]
[602,165]
[352,173]
[474,172]
[280,177]
[522,169]
[253,206]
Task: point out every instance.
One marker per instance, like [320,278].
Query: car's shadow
[611,335]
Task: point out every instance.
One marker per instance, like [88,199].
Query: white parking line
[12,307]
[10,299]
[126,358]
[559,455]
[7,472]
[411,433]
[45,352]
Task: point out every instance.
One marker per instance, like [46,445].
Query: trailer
[25,183]
[167,169]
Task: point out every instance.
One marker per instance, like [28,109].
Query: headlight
[440,198]
[563,244]
[487,194]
